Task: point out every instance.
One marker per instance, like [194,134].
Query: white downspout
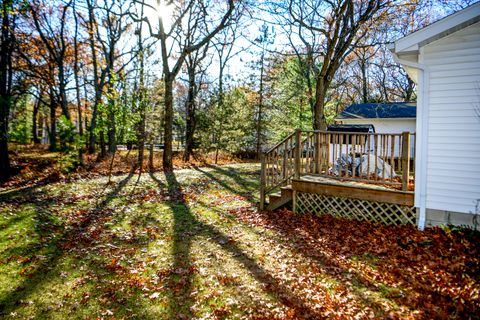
[421,144]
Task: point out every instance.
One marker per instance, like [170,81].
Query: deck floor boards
[348,183]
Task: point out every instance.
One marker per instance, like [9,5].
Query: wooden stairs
[282,198]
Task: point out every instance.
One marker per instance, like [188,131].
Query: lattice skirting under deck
[387,213]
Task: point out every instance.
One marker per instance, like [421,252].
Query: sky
[238,67]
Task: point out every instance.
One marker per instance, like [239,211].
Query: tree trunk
[41,124]
[4,158]
[85,119]
[93,125]
[6,50]
[150,158]
[168,131]
[63,90]
[141,137]
[319,122]
[260,108]
[190,115]
[53,123]
[189,139]
[141,130]
[300,114]
[36,108]
[363,66]
[77,90]
[103,149]
[410,90]
[77,81]
[96,83]
[218,131]
[112,143]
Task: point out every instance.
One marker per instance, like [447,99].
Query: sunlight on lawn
[176,246]
[141,253]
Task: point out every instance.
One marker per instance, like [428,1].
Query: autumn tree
[38,68]
[47,58]
[53,33]
[337,26]
[104,37]
[199,21]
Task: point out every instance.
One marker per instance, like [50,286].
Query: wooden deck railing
[364,157]
[277,167]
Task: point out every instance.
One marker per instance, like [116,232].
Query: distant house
[444,60]
[393,117]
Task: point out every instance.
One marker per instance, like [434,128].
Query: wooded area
[141,139]
[231,76]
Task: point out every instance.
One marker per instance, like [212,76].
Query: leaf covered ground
[192,244]
[35,165]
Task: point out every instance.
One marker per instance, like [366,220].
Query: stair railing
[278,165]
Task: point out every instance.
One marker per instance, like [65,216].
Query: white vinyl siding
[453,165]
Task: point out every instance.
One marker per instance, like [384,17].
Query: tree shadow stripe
[181,251]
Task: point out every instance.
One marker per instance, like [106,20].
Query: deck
[353,189]
[324,173]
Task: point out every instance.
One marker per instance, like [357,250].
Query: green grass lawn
[190,244]
[162,247]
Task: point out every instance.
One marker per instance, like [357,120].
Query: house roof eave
[437,30]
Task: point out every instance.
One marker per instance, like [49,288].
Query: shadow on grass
[186,227]
[55,246]
[234,174]
[183,242]
[12,196]
[243,193]
[12,221]
[180,280]
[300,245]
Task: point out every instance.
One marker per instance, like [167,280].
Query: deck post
[285,160]
[405,160]
[328,140]
[317,151]
[298,152]
[263,175]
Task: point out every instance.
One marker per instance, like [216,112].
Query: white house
[395,117]
[391,117]
[444,60]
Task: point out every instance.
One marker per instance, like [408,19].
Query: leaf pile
[434,274]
